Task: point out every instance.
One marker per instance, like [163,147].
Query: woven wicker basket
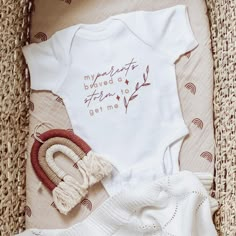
[14,103]
[222,14]
[14,94]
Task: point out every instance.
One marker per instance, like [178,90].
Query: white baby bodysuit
[118,83]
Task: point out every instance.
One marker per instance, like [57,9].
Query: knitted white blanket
[176,205]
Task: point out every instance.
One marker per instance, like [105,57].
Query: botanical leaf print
[133,97]
[137,88]
[125,102]
[146,84]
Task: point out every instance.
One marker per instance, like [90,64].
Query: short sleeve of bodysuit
[48,61]
[168,30]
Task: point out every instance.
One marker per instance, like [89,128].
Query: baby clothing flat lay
[117,80]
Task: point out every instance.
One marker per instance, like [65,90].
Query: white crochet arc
[66,151]
[92,167]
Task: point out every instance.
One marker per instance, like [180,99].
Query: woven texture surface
[13,114]
[223,25]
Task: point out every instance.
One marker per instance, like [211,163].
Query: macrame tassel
[81,189]
[68,194]
[96,167]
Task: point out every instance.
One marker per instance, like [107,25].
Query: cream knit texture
[176,205]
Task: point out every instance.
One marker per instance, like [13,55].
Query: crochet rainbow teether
[66,190]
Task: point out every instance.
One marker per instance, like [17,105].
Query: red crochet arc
[45,136]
